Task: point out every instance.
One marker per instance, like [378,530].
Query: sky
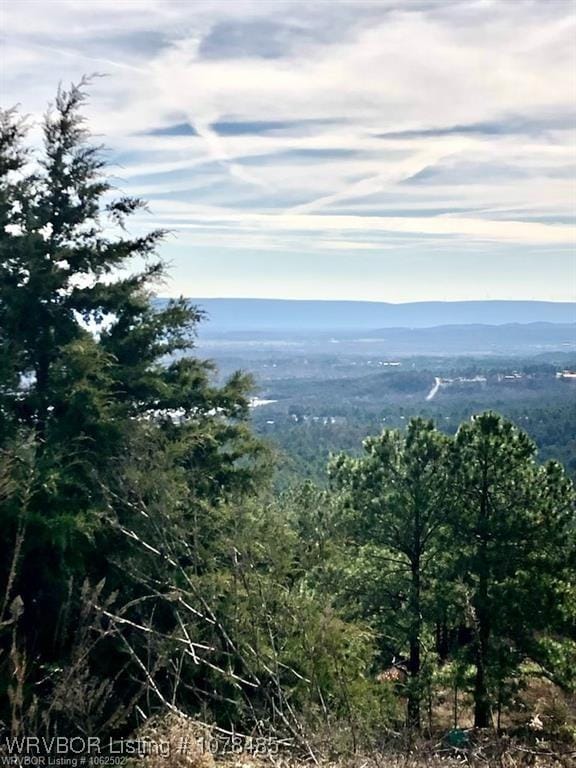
[393,150]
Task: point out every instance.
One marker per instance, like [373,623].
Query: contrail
[98,59]
[377,183]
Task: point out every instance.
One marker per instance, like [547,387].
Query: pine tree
[396,495]
[513,529]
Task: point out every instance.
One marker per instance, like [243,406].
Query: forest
[158,582]
[311,420]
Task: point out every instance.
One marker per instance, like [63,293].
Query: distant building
[567,375]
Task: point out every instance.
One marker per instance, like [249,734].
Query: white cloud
[499,230]
[339,77]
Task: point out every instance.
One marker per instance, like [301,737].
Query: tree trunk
[41,415]
[415,663]
[481,696]
[482,709]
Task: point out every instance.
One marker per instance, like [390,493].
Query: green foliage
[466,536]
[123,430]
[395,503]
[144,564]
[515,523]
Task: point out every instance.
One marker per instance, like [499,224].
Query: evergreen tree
[513,531]
[92,371]
[396,496]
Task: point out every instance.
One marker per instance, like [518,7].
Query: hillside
[278,315]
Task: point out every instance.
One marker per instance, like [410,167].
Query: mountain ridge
[325,314]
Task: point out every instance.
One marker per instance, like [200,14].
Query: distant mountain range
[225,315]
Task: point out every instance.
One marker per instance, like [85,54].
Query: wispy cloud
[431,130]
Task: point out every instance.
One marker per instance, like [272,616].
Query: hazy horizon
[339,299]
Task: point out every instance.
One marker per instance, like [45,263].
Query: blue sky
[395,150]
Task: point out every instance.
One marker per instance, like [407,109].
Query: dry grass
[189,747]
[173,742]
